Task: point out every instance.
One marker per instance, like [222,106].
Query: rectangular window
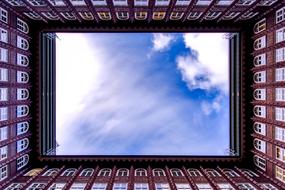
[57,2]
[3,15]
[3,75]
[3,153]
[141,186]
[280,15]
[78,2]
[3,55]
[3,94]
[14,186]
[268,186]
[280,134]
[3,114]
[204,2]
[280,74]
[204,186]
[225,2]
[120,186]
[225,186]
[183,186]
[3,172]
[280,153]
[245,2]
[37,2]
[120,2]
[280,94]
[99,186]
[162,186]
[280,35]
[56,186]
[280,174]
[36,186]
[78,186]
[3,133]
[245,186]
[280,114]
[280,54]
[3,35]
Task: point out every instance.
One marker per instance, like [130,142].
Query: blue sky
[142,94]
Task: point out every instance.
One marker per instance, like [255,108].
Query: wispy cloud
[162,41]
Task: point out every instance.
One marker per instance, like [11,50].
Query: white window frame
[280,54]
[259,111]
[280,153]
[78,2]
[120,186]
[3,172]
[280,94]
[140,172]
[231,173]
[22,60]
[182,186]
[105,172]
[280,173]
[104,15]
[99,186]
[77,186]
[87,172]
[279,134]
[57,186]
[280,15]
[162,186]
[259,43]
[69,172]
[3,133]
[204,186]
[259,60]
[250,173]
[230,15]
[57,3]
[120,2]
[22,94]
[259,128]
[3,94]
[122,15]
[3,35]
[162,2]
[225,186]
[194,15]
[142,15]
[22,26]
[158,172]
[22,144]
[122,172]
[86,15]
[14,186]
[204,2]
[3,75]
[3,113]
[22,161]
[15,3]
[22,127]
[36,186]
[99,2]
[68,15]
[260,26]
[3,15]
[50,16]
[259,162]
[212,15]
[22,43]
[182,2]
[22,110]
[225,2]
[259,77]
[158,15]
[141,3]
[245,2]
[33,15]
[51,172]
[259,145]
[141,186]
[267,186]
[279,114]
[22,77]
[3,153]
[280,35]
[259,94]
[213,173]
[249,15]
[37,3]
[3,55]
[194,172]
[175,172]
[245,186]
[176,15]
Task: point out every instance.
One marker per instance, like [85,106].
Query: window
[34,172]
[260,26]
[158,15]
[57,2]
[267,186]
[140,15]
[280,173]
[3,172]
[259,128]
[78,2]
[69,172]
[176,15]
[22,161]
[140,172]
[249,15]
[104,15]
[141,2]
[120,186]
[99,2]
[15,3]
[212,15]
[267,2]
[78,186]
[204,186]
[280,74]
[120,2]
[33,16]
[259,145]
[259,94]
[3,75]
[3,15]
[259,77]
[280,134]
[15,186]
[194,172]
[259,111]
[3,94]
[22,127]
[22,43]
[50,16]
[141,186]
[194,15]
[245,2]
[260,43]
[3,114]
[158,172]
[56,186]
[105,172]
[176,172]
[204,2]
[87,172]
[250,173]
[22,144]
[280,153]
[37,2]
[225,2]
[99,186]
[22,77]
[3,152]
[183,186]
[280,15]
[86,15]
[36,186]
[280,55]
[182,2]
[3,55]
[22,60]
[122,15]
[231,173]
[122,172]
[231,15]
[280,114]
[225,186]
[3,133]
[280,94]
[259,60]
[22,93]
[213,173]
[280,35]
[161,2]
[162,186]
[22,26]
[245,186]
[259,162]
[51,172]
[3,35]
[22,110]
[68,15]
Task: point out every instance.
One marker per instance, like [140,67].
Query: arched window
[259,60]
[87,172]
[231,173]
[158,15]
[259,162]
[22,110]
[176,15]
[250,173]
[22,77]
[105,172]
[122,15]
[259,145]
[22,161]
[69,172]
[158,172]
[259,43]
[213,173]
[194,15]
[22,127]
[176,172]
[140,172]
[259,94]
[22,26]
[194,172]
[68,15]
[22,144]
[104,15]
[34,172]
[259,77]
[22,43]
[50,15]
[259,111]
[259,128]
[51,172]
[122,172]
[22,93]
[260,26]
[141,15]
[86,15]
[22,60]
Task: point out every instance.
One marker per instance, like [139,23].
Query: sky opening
[142,94]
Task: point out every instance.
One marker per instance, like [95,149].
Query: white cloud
[162,41]
[208,68]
